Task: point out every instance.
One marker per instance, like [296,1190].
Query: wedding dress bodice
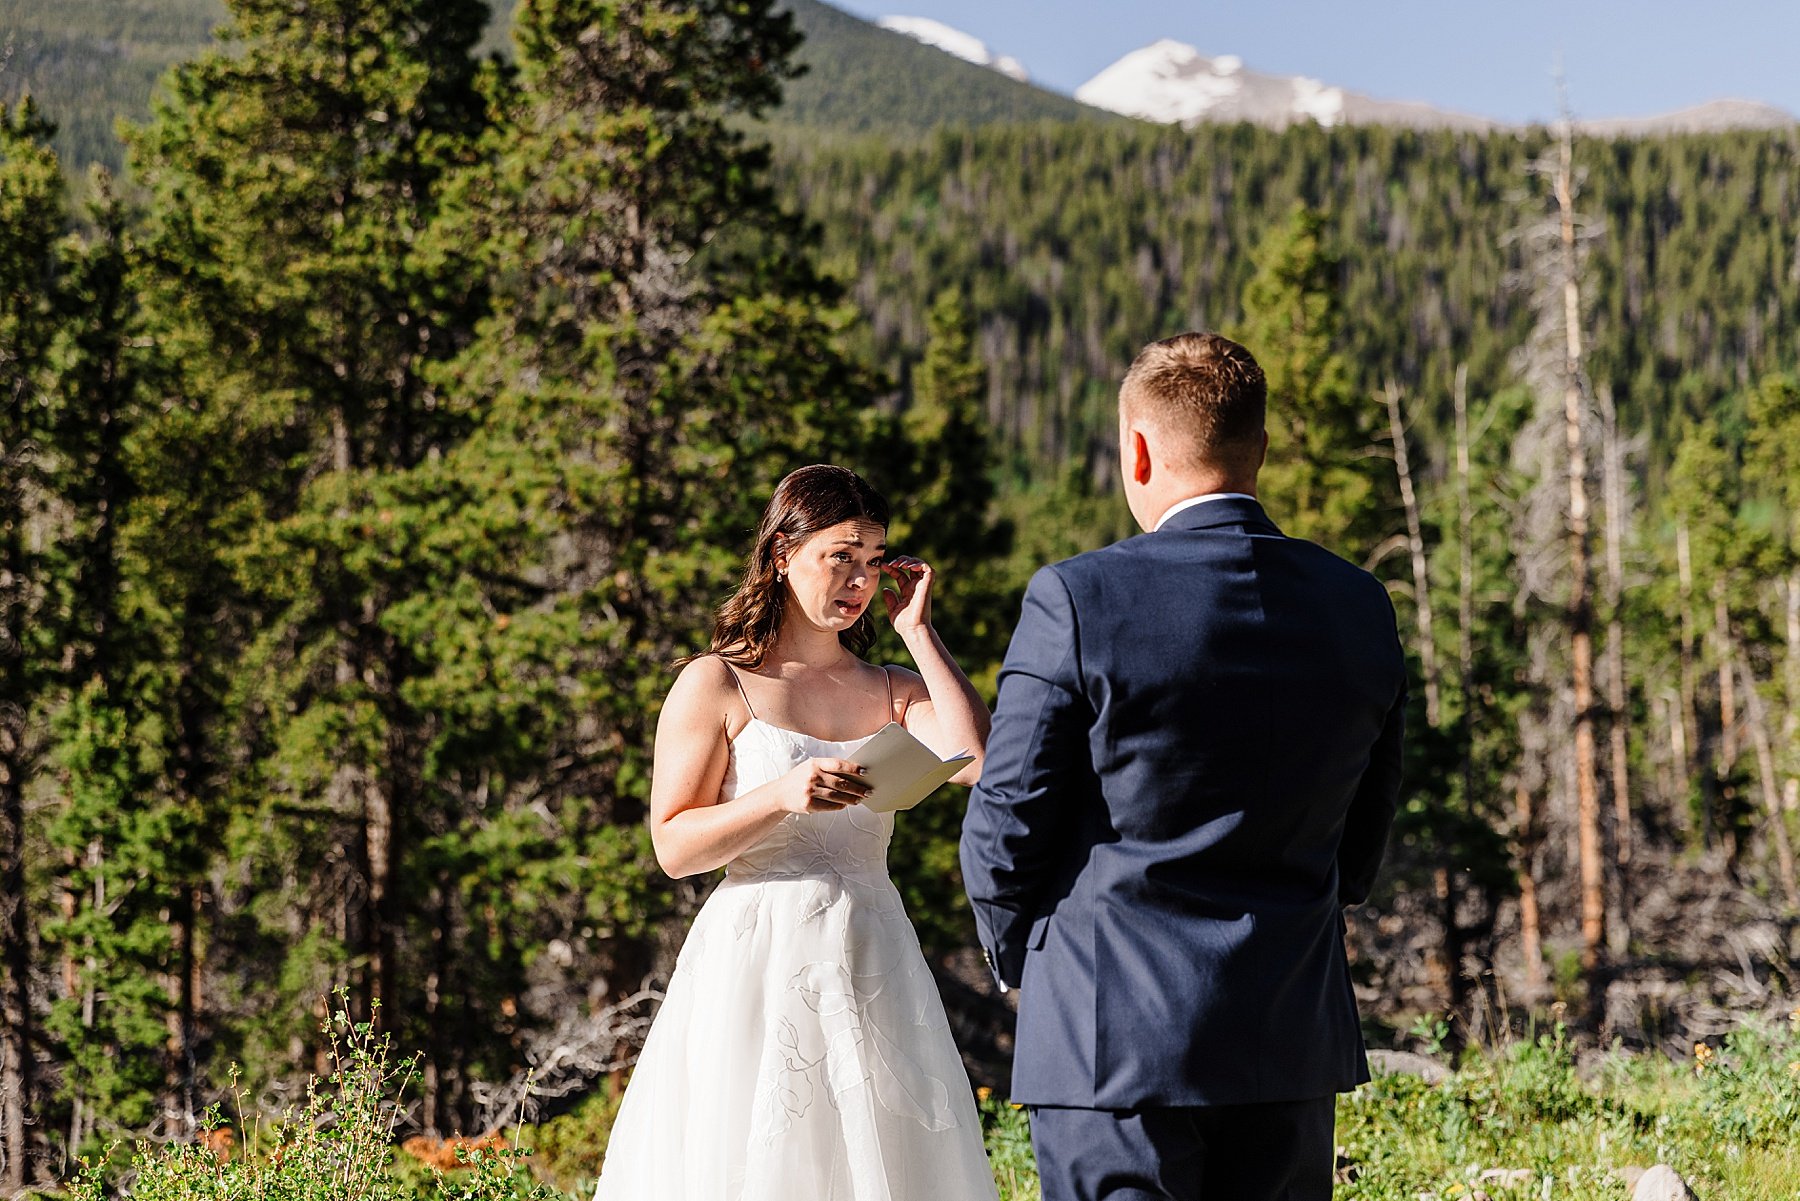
[849,842]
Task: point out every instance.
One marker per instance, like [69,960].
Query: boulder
[1662,1183]
[1406,1063]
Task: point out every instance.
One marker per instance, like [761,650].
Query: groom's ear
[1140,457]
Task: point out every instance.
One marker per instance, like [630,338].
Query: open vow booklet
[902,770]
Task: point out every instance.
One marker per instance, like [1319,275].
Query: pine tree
[292,177]
[659,352]
[1319,482]
[945,486]
[1702,497]
[944,466]
[32,216]
[131,851]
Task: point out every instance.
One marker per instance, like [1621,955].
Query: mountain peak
[1171,82]
[965,46]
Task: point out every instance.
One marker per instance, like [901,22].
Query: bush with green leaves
[336,1145]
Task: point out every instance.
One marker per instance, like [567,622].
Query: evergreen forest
[382,417]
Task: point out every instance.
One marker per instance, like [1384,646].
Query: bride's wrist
[916,636]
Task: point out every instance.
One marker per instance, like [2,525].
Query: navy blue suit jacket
[1194,764]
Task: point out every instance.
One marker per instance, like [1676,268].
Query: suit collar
[1225,512]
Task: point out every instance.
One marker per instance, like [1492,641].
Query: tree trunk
[1618,720]
[1415,543]
[1771,788]
[183,920]
[1465,584]
[1580,606]
[1679,757]
[17,1086]
[1690,685]
[79,1122]
[1728,709]
[1790,726]
[1531,942]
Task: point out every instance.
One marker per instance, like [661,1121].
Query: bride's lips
[849,606]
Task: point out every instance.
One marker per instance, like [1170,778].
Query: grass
[1520,1123]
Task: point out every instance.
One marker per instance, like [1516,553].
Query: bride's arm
[951,716]
[691,831]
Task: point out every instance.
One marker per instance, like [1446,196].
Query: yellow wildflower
[1703,1055]
[984,1093]
[1794,1068]
[1017,1104]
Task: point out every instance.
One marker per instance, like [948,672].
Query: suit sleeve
[1022,813]
[1372,809]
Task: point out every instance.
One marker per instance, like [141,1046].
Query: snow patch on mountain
[1313,98]
[965,46]
[1167,81]
[1172,82]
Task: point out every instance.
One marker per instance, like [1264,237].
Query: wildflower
[1703,1055]
[1016,1104]
[984,1094]
[1794,1068]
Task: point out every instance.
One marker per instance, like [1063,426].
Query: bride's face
[833,576]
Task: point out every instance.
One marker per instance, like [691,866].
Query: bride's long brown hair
[809,500]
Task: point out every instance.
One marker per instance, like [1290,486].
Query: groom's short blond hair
[1204,394]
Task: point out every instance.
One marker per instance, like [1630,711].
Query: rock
[1511,1177]
[1405,1063]
[1662,1183]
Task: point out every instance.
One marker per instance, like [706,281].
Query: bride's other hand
[821,786]
[909,601]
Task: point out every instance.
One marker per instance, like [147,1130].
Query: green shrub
[1750,1088]
[336,1146]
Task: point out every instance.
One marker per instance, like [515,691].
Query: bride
[801,1051]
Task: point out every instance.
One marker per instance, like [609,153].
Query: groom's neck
[1158,498]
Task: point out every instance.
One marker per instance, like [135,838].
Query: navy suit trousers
[1280,1151]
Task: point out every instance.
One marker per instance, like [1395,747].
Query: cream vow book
[902,770]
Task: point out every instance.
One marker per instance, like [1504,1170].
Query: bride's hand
[821,786]
[909,602]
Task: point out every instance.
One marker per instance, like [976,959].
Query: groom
[1194,763]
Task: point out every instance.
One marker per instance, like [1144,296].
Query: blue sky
[1621,57]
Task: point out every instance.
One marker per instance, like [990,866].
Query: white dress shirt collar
[1191,501]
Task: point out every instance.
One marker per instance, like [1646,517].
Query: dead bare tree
[1415,544]
[1723,654]
[1768,778]
[1689,715]
[1790,726]
[1555,562]
[569,1059]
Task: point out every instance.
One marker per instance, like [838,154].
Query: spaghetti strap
[739,681]
[888,676]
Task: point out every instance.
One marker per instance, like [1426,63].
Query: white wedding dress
[801,1052]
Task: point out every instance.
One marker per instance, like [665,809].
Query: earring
[780,575]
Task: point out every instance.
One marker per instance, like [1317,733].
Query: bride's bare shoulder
[704,694]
